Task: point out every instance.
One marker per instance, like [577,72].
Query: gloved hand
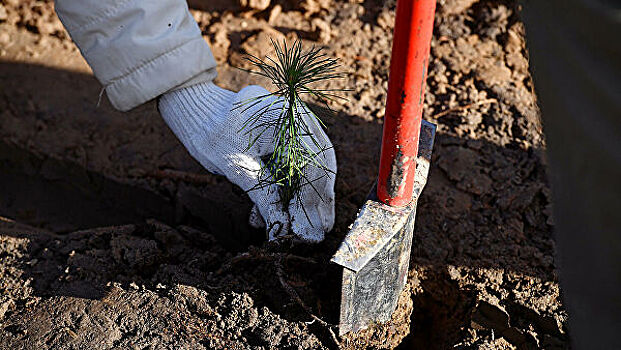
[208,121]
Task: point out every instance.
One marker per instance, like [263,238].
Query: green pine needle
[293,72]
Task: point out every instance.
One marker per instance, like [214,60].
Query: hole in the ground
[439,316]
[62,196]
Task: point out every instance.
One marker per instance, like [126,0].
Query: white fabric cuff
[191,62]
[138,49]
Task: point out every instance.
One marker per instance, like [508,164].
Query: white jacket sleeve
[138,49]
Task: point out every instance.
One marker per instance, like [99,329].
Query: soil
[112,236]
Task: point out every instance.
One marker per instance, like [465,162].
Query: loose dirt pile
[118,239]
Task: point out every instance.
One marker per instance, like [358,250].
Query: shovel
[375,254]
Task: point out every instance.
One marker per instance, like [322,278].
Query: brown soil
[111,236]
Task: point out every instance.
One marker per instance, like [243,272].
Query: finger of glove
[256,111]
[245,171]
[314,126]
[255,219]
[312,208]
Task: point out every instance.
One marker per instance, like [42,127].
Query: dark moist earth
[111,236]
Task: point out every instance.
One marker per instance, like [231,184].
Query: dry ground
[111,236]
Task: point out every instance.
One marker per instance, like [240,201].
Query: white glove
[208,121]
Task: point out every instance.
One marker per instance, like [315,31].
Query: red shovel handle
[404,105]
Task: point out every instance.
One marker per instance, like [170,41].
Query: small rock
[314,6]
[323,27]
[494,74]
[260,44]
[3,14]
[450,7]
[386,20]
[6,306]
[276,11]
[5,38]
[259,5]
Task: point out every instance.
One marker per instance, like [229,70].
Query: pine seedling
[294,72]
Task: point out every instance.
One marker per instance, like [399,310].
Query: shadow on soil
[63,196]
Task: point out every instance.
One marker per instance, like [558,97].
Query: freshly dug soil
[112,236]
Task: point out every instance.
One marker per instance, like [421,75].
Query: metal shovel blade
[375,254]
